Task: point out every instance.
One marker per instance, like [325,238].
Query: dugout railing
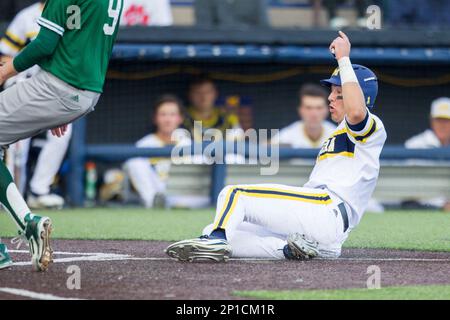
[413,169]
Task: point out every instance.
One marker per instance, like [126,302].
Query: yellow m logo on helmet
[335,72]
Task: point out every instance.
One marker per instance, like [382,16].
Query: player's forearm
[354,104]
[42,47]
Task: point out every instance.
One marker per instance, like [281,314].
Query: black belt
[344,214]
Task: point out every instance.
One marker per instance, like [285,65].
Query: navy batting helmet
[366,78]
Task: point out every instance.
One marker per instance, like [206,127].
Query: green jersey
[88,29]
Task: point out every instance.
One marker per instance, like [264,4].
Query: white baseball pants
[258,219]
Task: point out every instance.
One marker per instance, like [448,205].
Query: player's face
[313,110]
[168,118]
[441,128]
[336,104]
[203,97]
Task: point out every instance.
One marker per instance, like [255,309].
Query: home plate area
[103,269]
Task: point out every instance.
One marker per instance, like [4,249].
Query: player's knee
[225,191]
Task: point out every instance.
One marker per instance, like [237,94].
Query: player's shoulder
[150,140]
[426,139]
[292,128]
[291,133]
[228,117]
[329,127]
[370,130]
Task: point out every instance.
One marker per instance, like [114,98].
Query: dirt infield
[140,270]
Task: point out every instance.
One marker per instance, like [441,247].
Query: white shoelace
[19,240]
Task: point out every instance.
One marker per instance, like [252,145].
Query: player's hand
[341,46]
[6,70]
[2,73]
[59,131]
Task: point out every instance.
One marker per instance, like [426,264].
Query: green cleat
[5,259]
[37,233]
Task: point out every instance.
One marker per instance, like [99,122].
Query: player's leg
[47,166]
[283,210]
[34,228]
[253,241]
[16,159]
[37,104]
[280,209]
[40,103]
[145,180]
[5,259]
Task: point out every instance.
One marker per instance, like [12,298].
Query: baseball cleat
[160,201]
[5,259]
[47,201]
[204,248]
[300,248]
[37,232]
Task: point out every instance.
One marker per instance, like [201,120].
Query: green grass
[390,293]
[121,224]
[396,230]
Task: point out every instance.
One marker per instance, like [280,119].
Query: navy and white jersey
[349,164]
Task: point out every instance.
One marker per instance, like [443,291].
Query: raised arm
[354,102]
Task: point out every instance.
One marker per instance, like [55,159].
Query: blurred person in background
[9,8]
[313,129]
[418,13]
[231,13]
[147,13]
[22,30]
[203,95]
[149,175]
[438,136]
[6,10]
[337,22]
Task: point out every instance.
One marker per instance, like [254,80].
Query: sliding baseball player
[300,223]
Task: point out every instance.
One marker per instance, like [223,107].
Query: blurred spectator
[313,129]
[240,105]
[147,13]
[436,137]
[231,13]
[418,12]
[337,22]
[203,96]
[9,8]
[6,10]
[439,134]
[149,176]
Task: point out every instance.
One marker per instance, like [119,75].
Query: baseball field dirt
[140,270]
